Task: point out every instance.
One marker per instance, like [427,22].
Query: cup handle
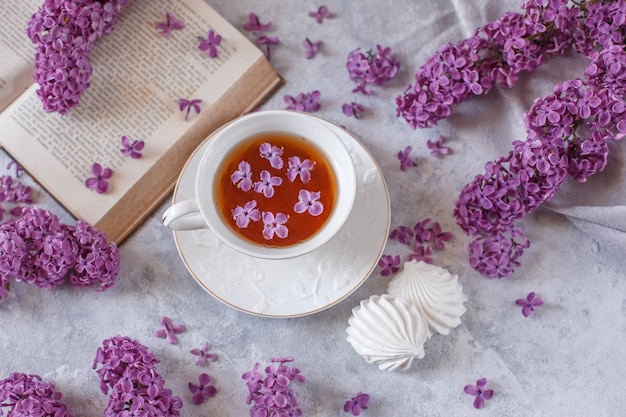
[184,215]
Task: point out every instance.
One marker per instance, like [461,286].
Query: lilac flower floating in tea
[298,168]
[273,154]
[267,183]
[242,177]
[243,215]
[274,225]
[308,201]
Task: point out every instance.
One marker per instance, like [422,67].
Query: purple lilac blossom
[266,184]
[64,34]
[203,353]
[298,168]
[171,23]
[132,149]
[211,43]
[273,154]
[320,14]
[27,395]
[389,264]
[274,225]
[268,41]
[436,147]
[255,26]
[242,177]
[203,390]
[353,109]
[421,252]
[243,215]
[479,392]
[100,181]
[169,330]
[405,158]
[356,404]
[184,104]
[529,303]
[307,102]
[308,201]
[375,68]
[402,234]
[311,48]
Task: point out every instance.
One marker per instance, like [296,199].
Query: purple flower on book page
[132,149]
[308,201]
[210,44]
[171,23]
[169,330]
[203,390]
[405,158]
[353,109]
[184,104]
[243,215]
[436,147]
[267,183]
[99,182]
[268,41]
[272,154]
[255,26]
[299,168]
[274,225]
[243,176]
[311,48]
[321,14]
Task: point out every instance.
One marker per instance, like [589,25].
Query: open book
[138,77]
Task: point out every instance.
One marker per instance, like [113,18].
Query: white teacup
[211,181]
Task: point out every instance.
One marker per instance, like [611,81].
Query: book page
[16,65]
[138,77]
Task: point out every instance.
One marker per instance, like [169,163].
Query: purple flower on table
[203,354]
[308,102]
[353,109]
[389,264]
[132,149]
[436,147]
[99,182]
[210,43]
[298,168]
[479,392]
[405,158]
[18,168]
[357,403]
[253,380]
[255,26]
[274,225]
[272,154]
[438,237]
[169,330]
[242,177]
[203,390]
[267,183]
[268,41]
[528,305]
[421,252]
[402,234]
[243,215]
[308,201]
[171,23]
[311,48]
[321,14]
[184,104]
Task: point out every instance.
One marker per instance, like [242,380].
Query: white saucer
[299,286]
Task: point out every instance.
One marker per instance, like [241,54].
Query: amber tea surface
[276,189]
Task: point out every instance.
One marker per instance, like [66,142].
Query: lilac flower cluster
[375,68]
[496,54]
[13,192]
[307,102]
[64,33]
[27,395]
[127,369]
[270,395]
[567,131]
[36,248]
